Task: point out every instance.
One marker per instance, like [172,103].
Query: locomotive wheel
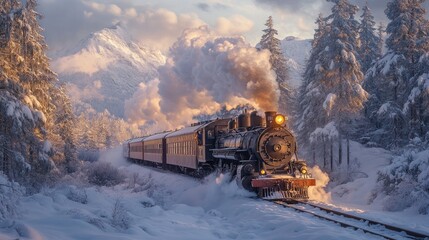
[246,182]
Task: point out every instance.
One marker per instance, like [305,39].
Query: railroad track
[347,220]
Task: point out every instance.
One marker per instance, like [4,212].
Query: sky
[158,23]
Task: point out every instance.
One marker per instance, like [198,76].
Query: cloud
[160,28]
[68,22]
[96,6]
[312,8]
[82,62]
[210,7]
[234,25]
[205,71]
[131,12]
[86,93]
[114,10]
[143,106]
[203,6]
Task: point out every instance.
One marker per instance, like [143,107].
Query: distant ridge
[296,51]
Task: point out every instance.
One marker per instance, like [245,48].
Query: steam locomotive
[260,153]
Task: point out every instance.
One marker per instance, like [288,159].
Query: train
[260,153]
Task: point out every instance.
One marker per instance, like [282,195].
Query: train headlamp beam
[279,119]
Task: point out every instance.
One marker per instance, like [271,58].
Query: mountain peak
[106,67]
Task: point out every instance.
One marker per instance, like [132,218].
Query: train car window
[210,134]
[200,137]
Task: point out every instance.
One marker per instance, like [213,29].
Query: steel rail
[410,234]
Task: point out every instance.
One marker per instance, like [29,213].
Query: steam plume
[205,72]
[318,192]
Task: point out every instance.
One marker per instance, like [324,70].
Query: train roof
[136,140]
[156,136]
[183,131]
[186,130]
[192,128]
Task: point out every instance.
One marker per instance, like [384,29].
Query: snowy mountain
[296,51]
[105,69]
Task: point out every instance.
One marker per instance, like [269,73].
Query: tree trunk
[348,151]
[314,155]
[332,156]
[340,150]
[324,154]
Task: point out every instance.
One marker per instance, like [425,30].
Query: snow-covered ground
[162,205]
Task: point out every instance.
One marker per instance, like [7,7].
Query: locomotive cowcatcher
[259,152]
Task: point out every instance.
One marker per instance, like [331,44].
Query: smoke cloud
[318,193]
[205,72]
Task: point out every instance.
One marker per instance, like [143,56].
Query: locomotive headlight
[280,119]
[262,172]
[304,170]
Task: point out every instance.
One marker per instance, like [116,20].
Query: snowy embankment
[359,195]
[154,204]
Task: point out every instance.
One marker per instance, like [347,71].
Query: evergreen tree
[320,31]
[65,131]
[331,95]
[369,42]
[416,108]
[396,74]
[342,75]
[29,116]
[380,44]
[310,114]
[270,42]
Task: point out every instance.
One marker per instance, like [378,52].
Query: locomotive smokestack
[255,120]
[269,116]
[243,121]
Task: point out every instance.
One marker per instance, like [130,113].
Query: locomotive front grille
[284,188]
[275,193]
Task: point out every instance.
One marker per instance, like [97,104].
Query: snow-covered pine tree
[64,131]
[332,83]
[369,41]
[320,31]
[380,33]
[343,76]
[310,114]
[28,86]
[406,180]
[416,108]
[392,79]
[270,42]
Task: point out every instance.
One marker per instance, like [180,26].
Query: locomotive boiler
[259,152]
